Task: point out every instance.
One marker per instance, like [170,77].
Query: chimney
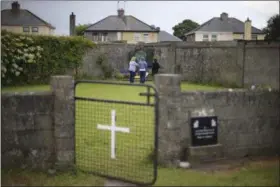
[15,6]
[120,12]
[224,16]
[72,24]
[247,29]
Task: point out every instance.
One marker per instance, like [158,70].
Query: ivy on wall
[140,51]
[32,59]
[107,69]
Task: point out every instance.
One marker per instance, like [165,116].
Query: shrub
[120,76]
[146,52]
[105,66]
[32,59]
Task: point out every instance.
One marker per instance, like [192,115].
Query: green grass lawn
[132,149]
[266,174]
[184,86]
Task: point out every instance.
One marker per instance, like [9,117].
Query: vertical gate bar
[156,110]
[75,159]
[148,96]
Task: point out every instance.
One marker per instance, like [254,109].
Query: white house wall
[221,36]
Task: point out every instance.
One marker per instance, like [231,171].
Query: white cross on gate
[113,130]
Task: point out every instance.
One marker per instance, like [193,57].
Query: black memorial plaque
[204,130]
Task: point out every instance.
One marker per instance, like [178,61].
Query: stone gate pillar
[169,142]
[64,120]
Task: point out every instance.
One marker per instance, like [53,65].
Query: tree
[272,30]
[80,29]
[184,27]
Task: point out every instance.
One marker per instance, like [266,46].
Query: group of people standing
[143,68]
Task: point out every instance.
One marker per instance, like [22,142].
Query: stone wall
[38,128]
[231,63]
[248,121]
[209,63]
[27,130]
[261,64]
[116,55]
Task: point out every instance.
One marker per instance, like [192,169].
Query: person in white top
[132,69]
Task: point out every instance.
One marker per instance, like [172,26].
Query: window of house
[214,37]
[99,37]
[146,37]
[137,37]
[105,37]
[205,37]
[95,36]
[254,37]
[34,29]
[26,29]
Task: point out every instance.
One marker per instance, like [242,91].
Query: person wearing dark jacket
[155,67]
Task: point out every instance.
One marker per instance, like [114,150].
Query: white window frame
[99,36]
[26,31]
[146,37]
[35,29]
[137,37]
[119,36]
[95,36]
[214,38]
[205,38]
[256,37]
[104,37]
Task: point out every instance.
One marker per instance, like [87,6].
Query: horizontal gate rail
[148,103]
[114,83]
[113,101]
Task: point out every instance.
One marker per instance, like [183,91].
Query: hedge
[32,59]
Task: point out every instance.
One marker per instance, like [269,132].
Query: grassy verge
[30,178]
[184,86]
[264,174]
[254,174]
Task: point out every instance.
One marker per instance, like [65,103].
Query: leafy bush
[105,66]
[32,59]
[120,76]
[146,52]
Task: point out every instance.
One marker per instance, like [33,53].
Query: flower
[17,73]
[15,65]
[4,69]
[31,56]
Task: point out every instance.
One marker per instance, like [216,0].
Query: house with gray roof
[23,21]
[166,37]
[225,28]
[122,27]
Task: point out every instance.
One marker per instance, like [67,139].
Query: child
[142,69]
[132,69]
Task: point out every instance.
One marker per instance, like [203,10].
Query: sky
[163,14]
